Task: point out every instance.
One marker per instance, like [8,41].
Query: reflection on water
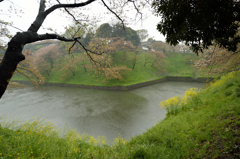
[95,112]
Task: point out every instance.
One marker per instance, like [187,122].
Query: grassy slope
[209,127]
[180,64]
[177,64]
[137,75]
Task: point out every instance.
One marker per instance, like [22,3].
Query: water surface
[95,112]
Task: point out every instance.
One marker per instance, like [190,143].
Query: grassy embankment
[203,124]
[177,64]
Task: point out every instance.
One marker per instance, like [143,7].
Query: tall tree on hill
[133,58]
[69,66]
[45,58]
[106,65]
[83,61]
[155,59]
[13,55]
[158,60]
[128,33]
[120,46]
[116,31]
[104,31]
[143,34]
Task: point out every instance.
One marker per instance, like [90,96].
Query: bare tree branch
[69,12]
[43,14]
[134,4]
[114,14]
[89,56]
[87,50]
[29,37]
[58,37]
[74,5]
[69,50]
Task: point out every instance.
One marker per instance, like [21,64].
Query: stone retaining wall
[134,86]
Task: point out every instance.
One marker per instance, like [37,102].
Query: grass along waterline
[207,126]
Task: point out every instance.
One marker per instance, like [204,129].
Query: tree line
[199,24]
[113,59]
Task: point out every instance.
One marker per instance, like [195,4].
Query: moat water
[94,112]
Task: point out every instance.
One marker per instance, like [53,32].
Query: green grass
[137,75]
[207,125]
[177,64]
[180,64]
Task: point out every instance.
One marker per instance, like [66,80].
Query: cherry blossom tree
[13,54]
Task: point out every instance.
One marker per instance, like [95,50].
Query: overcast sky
[56,20]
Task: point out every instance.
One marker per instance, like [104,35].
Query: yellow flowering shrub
[175,104]
[38,138]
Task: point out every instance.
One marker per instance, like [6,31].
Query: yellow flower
[103,142]
[92,140]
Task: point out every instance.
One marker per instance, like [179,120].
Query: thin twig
[138,12]
[91,58]
[5,23]
[69,50]
[87,50]
[69,13]
[114,14]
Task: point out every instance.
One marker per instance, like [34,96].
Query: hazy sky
[56,20]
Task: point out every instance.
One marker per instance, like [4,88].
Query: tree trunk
[134,65]
[153,63]
[12,57]
[85,69]
[124,56]
[48,73]
[73,72]
[13,54]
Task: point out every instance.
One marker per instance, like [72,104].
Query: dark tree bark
[85,69]
[13,54]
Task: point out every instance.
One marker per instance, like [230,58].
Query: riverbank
[207,125]
[132,86]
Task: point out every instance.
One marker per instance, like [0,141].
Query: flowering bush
[176,104]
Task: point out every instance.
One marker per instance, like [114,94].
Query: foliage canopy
[106,31]
[199,22]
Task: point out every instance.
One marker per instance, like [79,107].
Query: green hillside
[56,66]
[203,124]
[180,64]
